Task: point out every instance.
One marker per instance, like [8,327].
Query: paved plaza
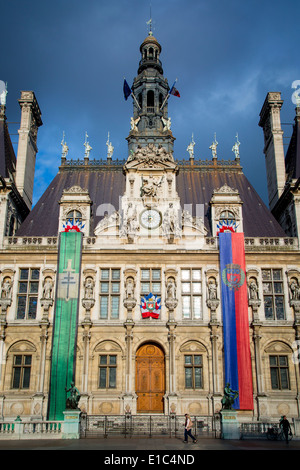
[162,445]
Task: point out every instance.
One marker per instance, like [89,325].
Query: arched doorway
[150,378]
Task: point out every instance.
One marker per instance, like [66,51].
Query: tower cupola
[150,50]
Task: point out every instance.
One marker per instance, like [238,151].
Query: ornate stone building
[149,328]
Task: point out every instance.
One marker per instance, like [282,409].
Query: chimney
[27,148]
[273,150]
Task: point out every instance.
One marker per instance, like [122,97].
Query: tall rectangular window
[107,371]
[279,373]
[150,281]
[191,294]
[273,294]
[21,371]
[110,293]
[193,371]
[28,289]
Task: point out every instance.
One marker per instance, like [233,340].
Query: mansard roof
[195,185]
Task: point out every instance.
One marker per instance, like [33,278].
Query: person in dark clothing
[286,428]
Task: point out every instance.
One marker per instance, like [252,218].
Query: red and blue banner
[238,371]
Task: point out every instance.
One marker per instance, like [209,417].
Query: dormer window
[74,217]
[227,215]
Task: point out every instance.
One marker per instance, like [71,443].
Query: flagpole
[166,99]
[168,96]
[135,100]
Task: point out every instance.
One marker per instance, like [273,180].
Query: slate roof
[7,153]
[195,185]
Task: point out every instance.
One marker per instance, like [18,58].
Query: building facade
[148,315]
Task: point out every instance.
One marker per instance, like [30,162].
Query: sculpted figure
[73,400]
[6,289]
[229,397]
[48,286]
[295,290]
[89,288]
[171,288]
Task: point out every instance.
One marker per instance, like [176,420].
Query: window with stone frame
[279,371]
[74,216]
[110,293]
[227,215]
[107,371]
[193,371]
[273,293]
[191,294]
[27,298]
[150,281]
[21,371]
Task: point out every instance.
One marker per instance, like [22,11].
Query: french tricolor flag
[238,371]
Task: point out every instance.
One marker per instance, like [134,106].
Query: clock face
[150,218]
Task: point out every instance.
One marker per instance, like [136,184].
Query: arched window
[227,215]
[226,222]
[74,216]
[150,101]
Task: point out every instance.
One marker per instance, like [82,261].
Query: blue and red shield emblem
[233,276]
[150,306]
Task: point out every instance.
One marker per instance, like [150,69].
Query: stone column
[129,397]
[171,337]
[171,304]
[86,337]
[258,364]
[38,397]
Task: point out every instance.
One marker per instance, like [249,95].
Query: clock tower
[150,212]
[150,122]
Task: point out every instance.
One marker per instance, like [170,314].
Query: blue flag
[126,90]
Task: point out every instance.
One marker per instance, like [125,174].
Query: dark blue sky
[226,55]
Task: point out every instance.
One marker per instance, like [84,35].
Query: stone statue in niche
[171,289]
[212,289]
[253,290]
[129,288]
[89,288]
[47,288]
[6,288]
[294,289]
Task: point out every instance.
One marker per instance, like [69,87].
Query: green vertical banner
[65,322]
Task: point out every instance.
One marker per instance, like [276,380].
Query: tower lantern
[150,122]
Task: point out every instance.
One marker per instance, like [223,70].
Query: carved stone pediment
[150,156]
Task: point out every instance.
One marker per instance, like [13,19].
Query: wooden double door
[150,379]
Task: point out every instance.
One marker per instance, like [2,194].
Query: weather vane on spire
[149,23]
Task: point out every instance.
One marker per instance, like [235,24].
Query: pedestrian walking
[188,429]
[286,428]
